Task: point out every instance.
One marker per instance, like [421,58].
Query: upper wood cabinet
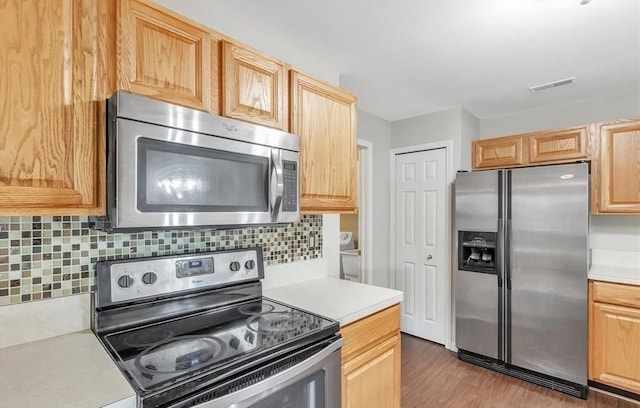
[498,152]
[548,147]
[558,145]
[163,55]
[254,87]
[615,335]
[616,168]
[325,118]
[56,72]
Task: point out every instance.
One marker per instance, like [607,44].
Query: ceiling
[410,57]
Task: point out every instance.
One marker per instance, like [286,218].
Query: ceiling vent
[553,84]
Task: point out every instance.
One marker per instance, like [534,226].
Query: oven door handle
[277,184]
[253,394]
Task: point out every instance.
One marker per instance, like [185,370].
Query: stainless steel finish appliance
[169,166]
[521,284]
[194,331]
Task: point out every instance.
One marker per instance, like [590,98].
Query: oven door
[171,178]
[313,383]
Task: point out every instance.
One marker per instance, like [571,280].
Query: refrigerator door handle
[507,272]
[507,234]
[499,265]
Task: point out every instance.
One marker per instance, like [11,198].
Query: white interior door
[420,248]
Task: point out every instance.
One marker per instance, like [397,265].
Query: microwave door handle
[277,184]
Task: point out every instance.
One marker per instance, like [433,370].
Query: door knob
[429,257]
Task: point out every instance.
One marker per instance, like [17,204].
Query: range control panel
[290,188]
[129,280]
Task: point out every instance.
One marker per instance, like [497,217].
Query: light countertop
[72,370]
[338,299]
[615,274]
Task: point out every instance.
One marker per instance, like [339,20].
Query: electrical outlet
[312,240]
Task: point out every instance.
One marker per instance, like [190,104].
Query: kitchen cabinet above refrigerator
[612,148]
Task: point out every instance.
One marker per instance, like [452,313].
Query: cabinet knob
[429,257]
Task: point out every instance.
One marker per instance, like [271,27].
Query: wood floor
[434,377]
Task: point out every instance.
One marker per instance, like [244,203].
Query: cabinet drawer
[359,335]
[617,294]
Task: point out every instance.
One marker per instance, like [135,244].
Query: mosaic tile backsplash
[47,257]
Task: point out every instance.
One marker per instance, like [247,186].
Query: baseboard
[614,392]
[557,384]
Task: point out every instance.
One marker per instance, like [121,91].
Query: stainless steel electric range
[195,331]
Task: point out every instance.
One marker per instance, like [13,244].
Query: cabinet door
[55,74]
[372,379]
[254,87]
[325,119]
[498,152]
[163,55]
[559,145]
[615,348]
[616,185]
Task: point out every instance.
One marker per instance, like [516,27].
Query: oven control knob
[235,266]
[149,278]
[250,264]
[234,343]
[125,281]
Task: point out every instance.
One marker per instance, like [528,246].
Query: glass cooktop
[213,342]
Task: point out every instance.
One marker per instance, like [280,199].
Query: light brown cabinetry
[615,335]
[371,361]
[558,145]
[548,147]
[616,168]
[254,87]
[498,152]
[163,55]
[324,117]
[56,71]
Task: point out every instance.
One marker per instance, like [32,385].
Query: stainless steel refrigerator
[521,290]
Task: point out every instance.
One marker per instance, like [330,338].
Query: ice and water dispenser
[477,251]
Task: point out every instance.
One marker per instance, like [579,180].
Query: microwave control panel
[290,190]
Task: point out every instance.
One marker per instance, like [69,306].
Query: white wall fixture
[365,208]
[551,85]
[563,3]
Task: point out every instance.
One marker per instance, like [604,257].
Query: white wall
[471,128]
[378,131]
[273,40]
[432,127]
[574,114]
[614,240]
[456,124]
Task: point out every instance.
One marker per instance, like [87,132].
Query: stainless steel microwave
[173,167]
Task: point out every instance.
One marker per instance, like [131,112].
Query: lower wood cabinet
[615,335]
[371,361]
